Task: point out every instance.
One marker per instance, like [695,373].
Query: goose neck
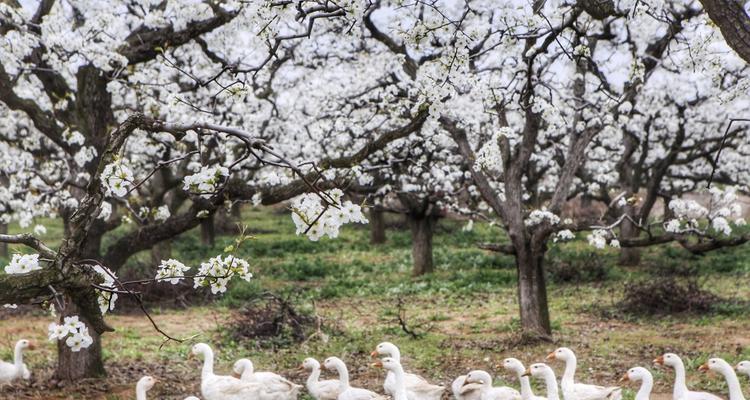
[570,371]
[735,391]
[551,383]
[208,363]
[644,393]
[18,358]
[526,392]
[680,388]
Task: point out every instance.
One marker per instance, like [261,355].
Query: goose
[487,391]
[723,367]
[681,391]
[580,391]
[144,385]
[515,365]
[399,377]
[320,390]
[10,372]
[273,383]
[744,367]
[647,381]
[220,387]
[544,371]
[346,391]
[463,391]
[417,388]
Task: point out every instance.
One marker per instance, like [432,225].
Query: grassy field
[465,314]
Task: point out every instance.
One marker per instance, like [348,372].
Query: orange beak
[551,356]
[31,346]
[624,377]
[527,372]
[236,375]
[374,353]
[301,367]
[703,367]
[378,364]
[659,360]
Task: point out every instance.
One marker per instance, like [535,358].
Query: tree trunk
[532,292]
[208,234]
[86,363]
[161,251]
[3,246]
[421,243]
[629,256]
[377,226]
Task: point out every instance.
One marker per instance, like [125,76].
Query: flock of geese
[247,384]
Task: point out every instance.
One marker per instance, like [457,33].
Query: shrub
[667,295]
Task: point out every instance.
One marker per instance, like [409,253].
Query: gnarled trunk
[629,255]
[377,226]
[3,245]
[532,291]
[86,363]
[422,229]
[208,233]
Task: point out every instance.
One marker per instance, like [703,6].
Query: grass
[466,311]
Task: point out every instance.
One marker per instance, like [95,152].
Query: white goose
[647,381]
[543,371]
[273,383]
[487,391]
[346,391]
[723,367]
[417,388]
[144,385]
[516,366]
[393,366]
[580,391]
[220,387]
[320,390]
[743,367]
[463,391]
[17,370]
[681,391]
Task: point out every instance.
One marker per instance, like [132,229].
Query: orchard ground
[465,314]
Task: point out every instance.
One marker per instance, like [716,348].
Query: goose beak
[374,353]
[301,367]
[236,375]
[31,346]
[625,377]
[378,364]
[703,367]
[551,356]
[659,360]
[527,372]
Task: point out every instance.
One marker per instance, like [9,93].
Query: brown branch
[30,241]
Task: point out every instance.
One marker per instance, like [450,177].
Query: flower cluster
[75,333]
[537,217]
[723,207]
[564,235]
[218,271]
[206,181]
[171,271]
[117,179]
[598,238]
[23,263]
[105,298]
[311,216]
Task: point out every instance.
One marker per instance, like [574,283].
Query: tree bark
[161,251]
[532,292]
[208,233]
[86,363]
[377,226]
[734,23]
[629,256]
[421,243]
[3,245]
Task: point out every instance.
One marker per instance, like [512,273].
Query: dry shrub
[667,295]
[272,321]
